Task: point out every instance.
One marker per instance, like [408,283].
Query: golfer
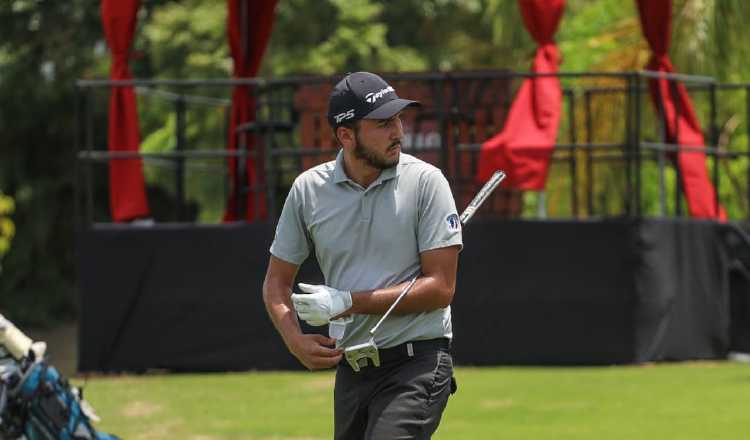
[375,218]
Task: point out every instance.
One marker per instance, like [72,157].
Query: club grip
[481,196]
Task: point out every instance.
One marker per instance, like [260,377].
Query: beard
[370,156]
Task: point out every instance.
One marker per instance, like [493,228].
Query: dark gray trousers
[402,399]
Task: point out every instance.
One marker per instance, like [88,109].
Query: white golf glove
[320,303]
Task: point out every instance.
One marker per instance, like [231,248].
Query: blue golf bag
[53,407]
[36,402]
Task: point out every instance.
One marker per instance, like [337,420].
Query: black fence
[613,291]
[611,159]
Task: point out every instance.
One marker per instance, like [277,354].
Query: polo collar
[339,175]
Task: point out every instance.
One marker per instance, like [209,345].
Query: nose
[398,130]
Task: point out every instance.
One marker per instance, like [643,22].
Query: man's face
[378,141]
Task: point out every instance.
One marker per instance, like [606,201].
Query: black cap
[363,95]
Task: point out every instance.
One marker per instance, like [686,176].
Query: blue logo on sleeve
[454,225]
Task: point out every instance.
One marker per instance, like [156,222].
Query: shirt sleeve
[439,225]
[291,242]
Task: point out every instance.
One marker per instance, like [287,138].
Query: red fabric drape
[682,128]
[525,144]
[127,192]
[257,18]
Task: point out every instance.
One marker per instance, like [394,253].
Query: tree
[44,47]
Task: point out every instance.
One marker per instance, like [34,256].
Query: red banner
[127,192]
[248,30]
[682,126]
[524,146]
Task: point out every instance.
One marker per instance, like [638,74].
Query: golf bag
[36,402]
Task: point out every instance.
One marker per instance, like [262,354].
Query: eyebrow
[383,121]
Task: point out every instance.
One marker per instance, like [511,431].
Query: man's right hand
[314,351]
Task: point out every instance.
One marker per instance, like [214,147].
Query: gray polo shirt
[369,238]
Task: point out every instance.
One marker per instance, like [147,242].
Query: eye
[390,121]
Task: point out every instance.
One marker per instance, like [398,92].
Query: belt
[411,349]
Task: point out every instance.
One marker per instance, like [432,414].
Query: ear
[345,136]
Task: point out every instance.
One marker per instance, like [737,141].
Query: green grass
[702,400]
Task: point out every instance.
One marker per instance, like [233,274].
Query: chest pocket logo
[453,224]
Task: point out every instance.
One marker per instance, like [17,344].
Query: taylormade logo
[374,96]
[344,116]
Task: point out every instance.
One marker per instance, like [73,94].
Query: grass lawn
[697,400]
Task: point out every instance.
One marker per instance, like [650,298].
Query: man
[375,218]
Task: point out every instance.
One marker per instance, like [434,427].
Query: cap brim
[390,108]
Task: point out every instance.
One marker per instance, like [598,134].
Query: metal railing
[602,169]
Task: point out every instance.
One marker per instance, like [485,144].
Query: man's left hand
[321,303]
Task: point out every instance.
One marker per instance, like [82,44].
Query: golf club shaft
[475,203]
[395,303]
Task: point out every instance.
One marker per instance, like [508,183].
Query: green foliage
[603,35]
[185,39]
[36,73]
[710,38]
[44,47]
[304,42]
[7,227]
[408,35]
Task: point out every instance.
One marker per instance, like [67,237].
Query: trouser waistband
[411,349]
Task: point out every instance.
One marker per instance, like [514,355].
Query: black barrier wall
[188,298]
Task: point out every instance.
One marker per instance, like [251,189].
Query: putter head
[357,355]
